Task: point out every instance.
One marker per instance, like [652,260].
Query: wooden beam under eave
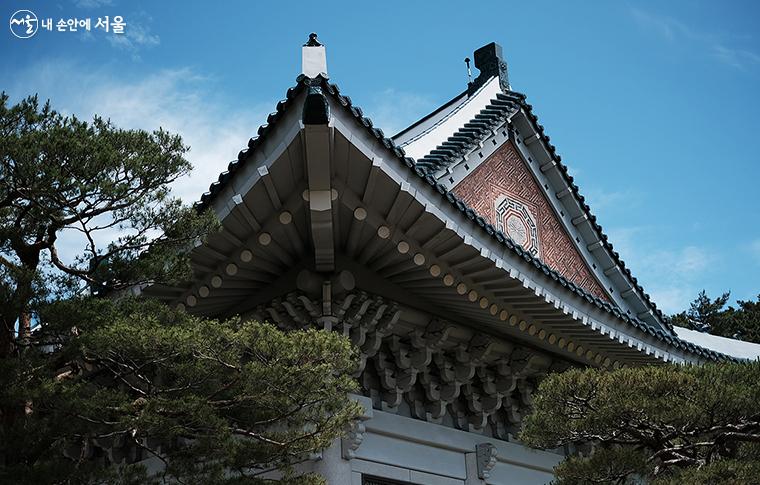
[317,153]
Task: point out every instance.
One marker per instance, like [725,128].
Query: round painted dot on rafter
[448,280]
[333,194]
[265,238]
[552,339]
[203,291]
[542,334]
[532,330]
[402,247]
[598,358]
[579,351]
[562,343]
[435,270]
[180,307]
[523,325]
[191,300]
[513,320]
[286,217]
[607,362]
[384,232]
[483,302]
[231,269]
[616,365]
[305,195]
[216,281]
[419,259]
[570,346]
[360,213]
[590,355]
[472,295]
[246,256]
[461,288]
[493,310]
[503,315]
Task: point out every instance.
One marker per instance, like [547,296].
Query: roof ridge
[466,137]
[445,118]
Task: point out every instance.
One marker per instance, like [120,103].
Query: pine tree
[92,385]
[666,425]
[711,315]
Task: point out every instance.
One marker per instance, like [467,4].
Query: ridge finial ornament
[314,58]
[313,41]
[490,62]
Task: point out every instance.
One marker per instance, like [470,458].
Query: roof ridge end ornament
[313,57]
[490,62]
[313,41]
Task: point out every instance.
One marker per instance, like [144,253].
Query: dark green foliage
[604,465]
[101,384]
[744,471]
[708,315]
[653,422]
[216,400]
[107,186]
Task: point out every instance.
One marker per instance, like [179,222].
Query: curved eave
[542,276]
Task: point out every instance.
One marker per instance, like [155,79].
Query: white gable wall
[421,140]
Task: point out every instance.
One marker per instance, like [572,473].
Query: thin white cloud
[92,3]
[601,200]
[720,46]
[754,250]
[392,110]
[178,100]
[666,27]
[672,276]
[137,35]
[689,260]
[738,58]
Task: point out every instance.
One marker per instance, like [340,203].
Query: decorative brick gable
[503,190]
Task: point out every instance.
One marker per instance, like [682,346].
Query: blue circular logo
[24,24]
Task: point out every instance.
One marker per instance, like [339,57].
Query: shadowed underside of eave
[393,241]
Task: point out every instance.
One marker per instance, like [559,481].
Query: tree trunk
[12,414]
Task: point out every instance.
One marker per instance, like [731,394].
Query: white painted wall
[418,452]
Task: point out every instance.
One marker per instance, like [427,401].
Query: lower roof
[727,346]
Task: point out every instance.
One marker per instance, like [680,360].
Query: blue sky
[654,105]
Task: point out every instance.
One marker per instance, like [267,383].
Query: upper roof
[501,104]
[444,138]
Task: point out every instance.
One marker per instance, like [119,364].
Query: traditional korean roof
[501,106]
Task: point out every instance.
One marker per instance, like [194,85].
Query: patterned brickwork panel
[503,190]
